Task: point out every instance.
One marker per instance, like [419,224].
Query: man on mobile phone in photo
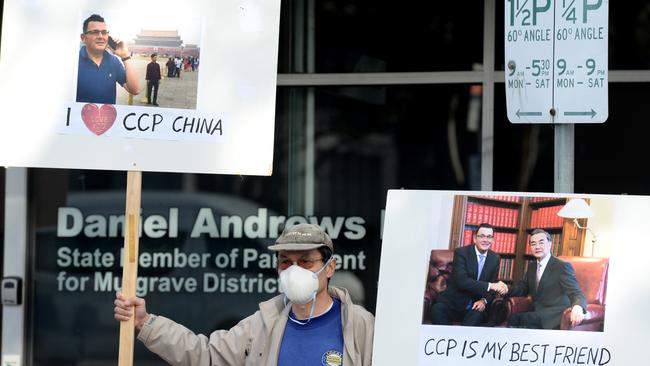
[99,70]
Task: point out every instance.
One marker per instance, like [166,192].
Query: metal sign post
[564,158]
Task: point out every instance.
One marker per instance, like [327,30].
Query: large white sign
[64,86]
[418,222]
[556,61]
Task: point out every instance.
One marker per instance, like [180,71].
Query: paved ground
[172,93]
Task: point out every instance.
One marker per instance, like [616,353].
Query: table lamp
[578,208]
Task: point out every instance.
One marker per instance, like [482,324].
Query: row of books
[517,199]
[556,249]
[542,199]
[506,269]
[502,243]
[514,199]
[496,216]
[546,217]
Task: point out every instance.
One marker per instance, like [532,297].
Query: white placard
[556,61]
[230,96]
[418,221]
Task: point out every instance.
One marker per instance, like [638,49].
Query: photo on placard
[594,243]
[517,262]
[89,86]
[131,59]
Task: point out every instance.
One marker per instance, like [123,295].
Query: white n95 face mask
[300,285]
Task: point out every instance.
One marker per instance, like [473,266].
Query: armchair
[592,277]
[591,274]
[439,272]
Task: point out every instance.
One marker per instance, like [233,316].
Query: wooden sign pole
[130,258]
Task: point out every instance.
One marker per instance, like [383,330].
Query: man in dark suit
[551,283]
[153,80]
[473,283]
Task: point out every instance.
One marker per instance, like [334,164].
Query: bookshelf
[513,219]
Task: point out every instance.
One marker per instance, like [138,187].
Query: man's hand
[479,305]
[121,50]
[577,315]
[500,287]
[123,310]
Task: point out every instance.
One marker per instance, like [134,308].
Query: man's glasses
[305,263]
[96,32]
[481,236]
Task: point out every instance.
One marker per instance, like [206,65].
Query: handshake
[499,287]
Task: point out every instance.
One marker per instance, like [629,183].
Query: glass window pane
[373,138]
[610,157]
[524,153]
[381,36]
[629,34]
[203,257]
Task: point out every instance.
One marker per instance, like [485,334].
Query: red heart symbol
[98,120]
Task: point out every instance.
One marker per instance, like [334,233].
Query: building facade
[164,42]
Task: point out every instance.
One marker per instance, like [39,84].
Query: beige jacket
[256,339]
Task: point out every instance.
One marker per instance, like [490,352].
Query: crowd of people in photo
[177,64]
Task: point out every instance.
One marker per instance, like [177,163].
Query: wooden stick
[130,265]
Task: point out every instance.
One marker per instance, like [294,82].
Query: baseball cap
[302,237]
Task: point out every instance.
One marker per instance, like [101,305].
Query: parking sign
[556,61]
